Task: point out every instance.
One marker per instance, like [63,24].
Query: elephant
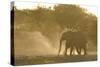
[80,42]
[74,40]
[66,36]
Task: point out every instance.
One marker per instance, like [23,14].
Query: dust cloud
[33,44]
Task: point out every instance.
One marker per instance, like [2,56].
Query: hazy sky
[32,5]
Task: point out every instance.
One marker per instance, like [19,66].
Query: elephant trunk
[60,47]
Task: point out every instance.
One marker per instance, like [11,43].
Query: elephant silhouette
[80,42]
[74,40]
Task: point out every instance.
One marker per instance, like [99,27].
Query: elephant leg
[59,49]
[65,52]
[79,50]
[85,53]
[71,50]
[66,48]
